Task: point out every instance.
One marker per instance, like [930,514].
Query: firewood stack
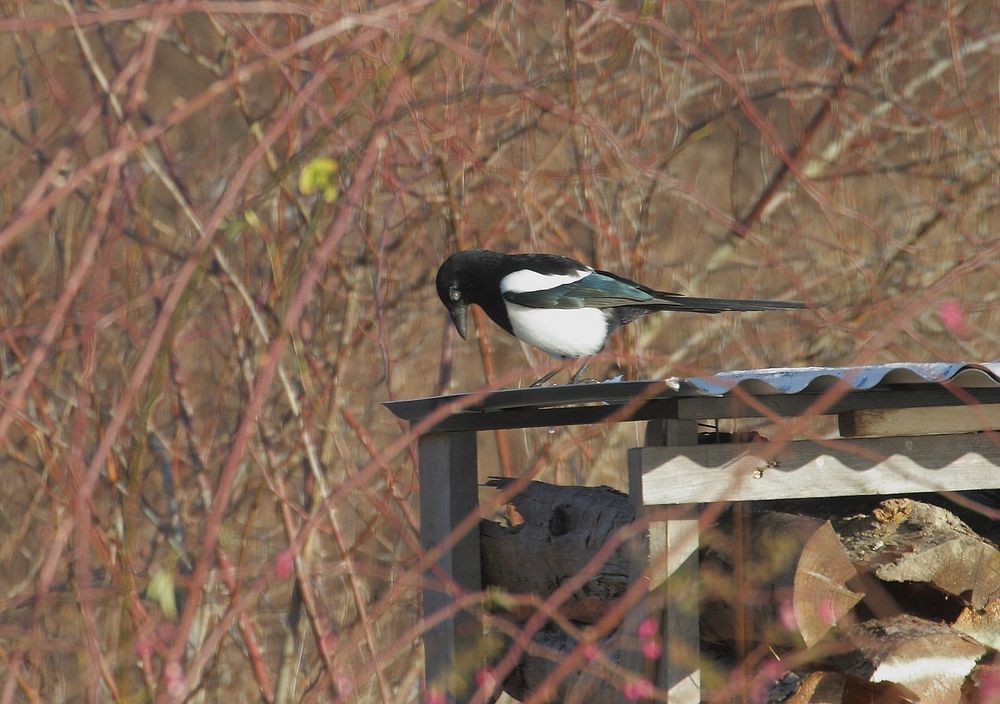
[899,602]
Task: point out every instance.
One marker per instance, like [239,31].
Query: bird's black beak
[458,314]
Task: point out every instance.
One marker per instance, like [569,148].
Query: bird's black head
[472,276]
[452,288]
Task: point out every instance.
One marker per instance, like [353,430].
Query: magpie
[559,305]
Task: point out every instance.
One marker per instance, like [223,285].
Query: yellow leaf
[161,590]
[317,176]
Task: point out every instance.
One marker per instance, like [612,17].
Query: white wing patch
[528,280]
[562,332]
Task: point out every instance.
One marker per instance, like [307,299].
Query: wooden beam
[663,432]
[671,550]
[448,493]
[938,420]
[806,469]
[534,414]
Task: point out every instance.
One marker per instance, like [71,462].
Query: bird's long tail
[690,304]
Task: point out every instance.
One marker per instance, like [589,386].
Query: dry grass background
[194,351]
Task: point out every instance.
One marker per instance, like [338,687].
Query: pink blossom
[283,564]
[144,648]
[174,679]
[637,689]
[647,628]
[772,669]
[786,615]
[485,678]
[988,690]
[590,651]
[651,649]
[433,696]
[345,684]
[952,316]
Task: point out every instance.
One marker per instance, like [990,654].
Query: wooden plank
[936,420]
[806,469]
[683,408]
[546,417]
[671,551]
[534,397]
[449,493]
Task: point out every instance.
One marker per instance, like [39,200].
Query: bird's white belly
[561,332]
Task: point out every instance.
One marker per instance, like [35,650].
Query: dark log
[563,528]
[592,682]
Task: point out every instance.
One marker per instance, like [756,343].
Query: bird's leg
[545,378]
[576,377]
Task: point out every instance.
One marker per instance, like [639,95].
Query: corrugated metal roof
[794,380]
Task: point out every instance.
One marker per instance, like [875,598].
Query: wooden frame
[673,470]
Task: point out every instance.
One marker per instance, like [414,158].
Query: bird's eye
[455,295]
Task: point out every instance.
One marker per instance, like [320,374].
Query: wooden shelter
[903,428]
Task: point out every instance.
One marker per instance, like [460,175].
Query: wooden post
[673,546]
[449,493]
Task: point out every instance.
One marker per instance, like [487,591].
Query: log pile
[896,603]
